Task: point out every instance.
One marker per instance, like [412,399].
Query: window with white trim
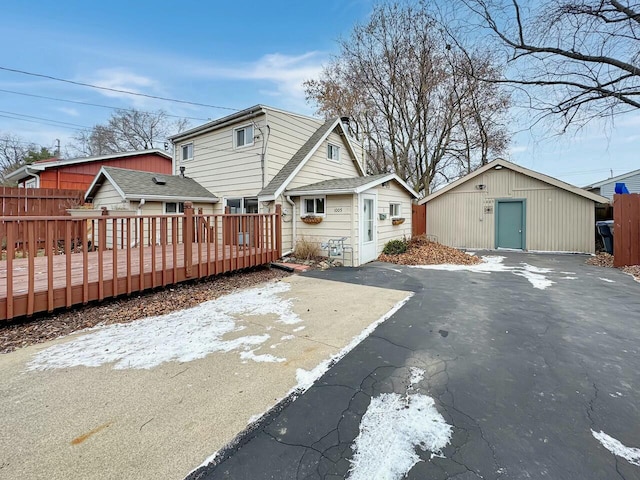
[243,136]
[242,205]
[395,210]
[313,206]
[333,152]
[173,207]
[187,152]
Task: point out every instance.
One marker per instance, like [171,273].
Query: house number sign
[337,210]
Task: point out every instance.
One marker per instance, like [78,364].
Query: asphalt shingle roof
[277,181]
[338,184]
[135,183]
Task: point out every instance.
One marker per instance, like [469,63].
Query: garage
[504,205]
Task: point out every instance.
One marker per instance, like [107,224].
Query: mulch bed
[603,259]
[14,335]
[421,251]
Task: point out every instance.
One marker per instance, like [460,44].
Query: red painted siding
[80,175]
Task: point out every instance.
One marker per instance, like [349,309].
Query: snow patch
[494,263]
[180,336]
[630,454]
[569,278]
[299,329]
[606,280]
[391,429]
[250,355]
[287,337]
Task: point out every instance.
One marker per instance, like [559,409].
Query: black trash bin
[605,229]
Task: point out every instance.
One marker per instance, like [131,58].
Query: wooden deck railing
[53,262]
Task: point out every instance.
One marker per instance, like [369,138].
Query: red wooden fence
[113,255]
[38,201]
[418,220]
[626,229]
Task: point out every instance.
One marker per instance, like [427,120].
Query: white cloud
[69,111]
[123,79]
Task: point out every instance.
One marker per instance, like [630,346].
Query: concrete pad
[162,422]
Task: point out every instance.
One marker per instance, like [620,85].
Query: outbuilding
[504,205]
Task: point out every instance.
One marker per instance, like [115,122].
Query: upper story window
[187,152]
[313,206]
[333,152]
[395,210]
[243,136]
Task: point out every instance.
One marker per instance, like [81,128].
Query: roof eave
[219,123]
[163,198]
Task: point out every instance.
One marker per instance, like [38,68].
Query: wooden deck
[45,283]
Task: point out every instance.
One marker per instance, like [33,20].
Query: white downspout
[139,213]
[293,222]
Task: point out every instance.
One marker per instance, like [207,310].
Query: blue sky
[229,55]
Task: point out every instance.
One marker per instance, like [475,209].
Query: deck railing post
[279,229]
[188,238]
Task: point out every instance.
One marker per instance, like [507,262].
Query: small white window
[394,210]
[243,136]
[313,206]
[333,152]
[187,152]
[173,207]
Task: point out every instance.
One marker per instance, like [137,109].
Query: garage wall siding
[393,193]
[556,220]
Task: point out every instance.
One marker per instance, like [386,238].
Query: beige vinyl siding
[319,168]
[287,133]
[108,196]
[393,193]
[556,220]
[221,168]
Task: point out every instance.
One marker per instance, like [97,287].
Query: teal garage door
[510,224]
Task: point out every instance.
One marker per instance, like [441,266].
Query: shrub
[395,247]
[306,250]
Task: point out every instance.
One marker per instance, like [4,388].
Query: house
[503,205]
[261,157]
[78,173]
[607,187]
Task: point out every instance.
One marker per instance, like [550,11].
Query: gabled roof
[337,186]
[280,181]
[613,179]
[137,185]
[28,170]
[525,171]
[236,117]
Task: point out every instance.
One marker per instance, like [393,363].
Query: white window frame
[177,212]
[243,203]
[303,207]
[398,214]
[332,147]
[182,147]
[235,136]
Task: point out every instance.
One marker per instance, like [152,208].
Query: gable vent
[159,180]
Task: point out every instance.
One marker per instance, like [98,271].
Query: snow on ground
[606,280]
[391,429]
[180,336]
[494,263]
[630,454]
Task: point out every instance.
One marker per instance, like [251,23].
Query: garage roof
[525,171]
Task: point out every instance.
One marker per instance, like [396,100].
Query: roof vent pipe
[182,169]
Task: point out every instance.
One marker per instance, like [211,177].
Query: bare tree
[128,130]
[16,152]
[576,59]
[417,111]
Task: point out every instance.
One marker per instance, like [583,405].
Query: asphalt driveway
[525,370]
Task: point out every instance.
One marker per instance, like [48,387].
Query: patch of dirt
[603,259]
[421,251]
[14,335]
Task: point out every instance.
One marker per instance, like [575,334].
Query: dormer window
[243,136]
[333,153]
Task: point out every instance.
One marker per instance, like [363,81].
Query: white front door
[368,228]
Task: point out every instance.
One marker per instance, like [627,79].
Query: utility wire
[42,122]
[117,90]
[94,104]
[44,119]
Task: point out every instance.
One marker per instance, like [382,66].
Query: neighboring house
[147,193]
[78,173]
[607,187]
[503,205]
[260,157]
